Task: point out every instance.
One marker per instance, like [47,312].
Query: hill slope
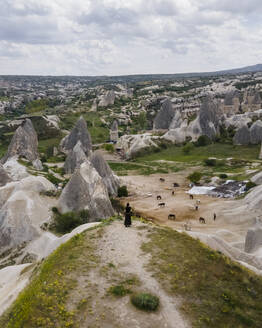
[88,281]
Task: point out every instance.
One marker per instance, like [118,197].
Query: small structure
[114,132]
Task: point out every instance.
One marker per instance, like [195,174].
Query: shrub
[53,179]
[250,185]
[210,161]
[195,177]
[119,290]
[122,191]
[203,141]
[187,148]
[145,301]
[66,222]
[109,147]
[117,206]
[222,176]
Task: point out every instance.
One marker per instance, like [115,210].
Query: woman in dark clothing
[128,216]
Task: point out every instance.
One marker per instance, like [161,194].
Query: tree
[142,121]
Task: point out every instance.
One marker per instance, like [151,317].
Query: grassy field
[216,292]
[218,150]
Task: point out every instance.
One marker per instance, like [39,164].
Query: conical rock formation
[109,178]
[242,136]
[164,116]
[78,133]
[86,190]
[75,158]
[24,144]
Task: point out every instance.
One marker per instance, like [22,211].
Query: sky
[118,37]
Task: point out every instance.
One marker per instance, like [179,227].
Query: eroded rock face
[208,118]
[260,154]
[254,237]
[4,177]
[256,133]
[75,158]
[107,99]
[109,178]
[22,210]
[78,133]
[257,178]
[86,190]
[24,143]
[134,143]
[164,116]
[242,136]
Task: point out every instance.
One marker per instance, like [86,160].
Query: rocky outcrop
[109,178]
[130,145]
[78,133]
[242,136]
[260,154]
[256,133]
[254,237]
[257,178]
[75,158]
[22,210]
[176,121]
[209,118]
[237,121]
[165,116]
[114,131]
[24,144]
[86,190]
[107,99]
[4,177]
[253,199]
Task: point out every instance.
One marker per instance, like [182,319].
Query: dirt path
[122,247]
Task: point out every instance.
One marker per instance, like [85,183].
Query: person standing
[215,216]
[128,214]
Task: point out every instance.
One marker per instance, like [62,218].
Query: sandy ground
[231,224]
[122,247]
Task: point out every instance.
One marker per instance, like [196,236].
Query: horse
[202,220]
[162,179]
[161,204]
[175,184]
[171,217]
[158,197]
[191,196]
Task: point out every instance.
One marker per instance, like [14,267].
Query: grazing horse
[202,220]
[162,204]
[191,196]
[158,197]
[175,184]
[162,179]
[171,217]
[173,193]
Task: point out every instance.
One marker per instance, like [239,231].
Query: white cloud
[128,36]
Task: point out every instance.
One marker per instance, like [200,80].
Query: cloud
[124,37]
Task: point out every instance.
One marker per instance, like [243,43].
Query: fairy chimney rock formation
[75,158]
[165,116]
[109,178]
[78,133]
[86,190]
[24,144]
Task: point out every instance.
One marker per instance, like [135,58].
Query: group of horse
[172,216]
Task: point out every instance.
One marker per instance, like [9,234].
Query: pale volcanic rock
[24,144]
[165,116]
[254,237]
[109,178]
[78,133]
[242,136]
[86,190]
[22,210]
[107,99]
[256,133]
[75,158]
[4,177]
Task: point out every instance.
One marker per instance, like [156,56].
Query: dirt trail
[122,247]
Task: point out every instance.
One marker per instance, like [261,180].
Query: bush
[117,206]
[53,179]
[210,161]
[119,290]
[195,177]
[145,301]
[250,185]
[66,222]
[109,147]
[203,141]
[122,191]
[222,176]
[187,148]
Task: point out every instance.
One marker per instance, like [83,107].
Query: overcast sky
[112,37]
